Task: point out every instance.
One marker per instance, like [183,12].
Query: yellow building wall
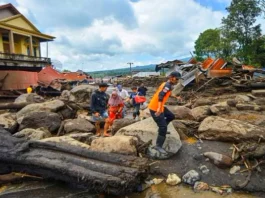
[20,22]
[23,44]
[17,44]
[1,44]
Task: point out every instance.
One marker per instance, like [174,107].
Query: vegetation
[122,71]
[239,35]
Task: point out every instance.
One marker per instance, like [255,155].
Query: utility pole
[130,68]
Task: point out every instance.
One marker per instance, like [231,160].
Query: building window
[5,37]
[35,45]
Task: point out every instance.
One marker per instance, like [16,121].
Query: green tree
[258,52]
[66,70]
[240,29]
[208,44]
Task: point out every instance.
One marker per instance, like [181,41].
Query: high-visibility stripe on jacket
[153,105]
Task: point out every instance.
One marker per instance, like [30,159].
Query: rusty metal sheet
[218,64]
[17,80]
[74,76]
[220,73]
[48,74]
[207,64]
[248,67]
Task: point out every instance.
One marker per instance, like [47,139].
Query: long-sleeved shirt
[123,94]
[98,102]
[132,96]
[142,90]
[161,95]
[167,87]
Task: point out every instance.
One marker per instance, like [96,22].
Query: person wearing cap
[98,106]
[161,115]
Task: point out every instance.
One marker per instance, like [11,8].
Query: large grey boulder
[220,108]
[116,144]
[242,98]
[66,140]
[120,123]
[217,128]
[181,128]
[49,106]
[260,101]
[8,122]
[181,112]
[48,120]
[147,130]
[191,177]
[33,134]
[30,98]
[245,107]
[201,112]
[81,93]
[78,126]
[81,137]
[202,102]
[65,95]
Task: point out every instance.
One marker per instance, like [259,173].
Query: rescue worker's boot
[97,126]
[106,127]
[159,144]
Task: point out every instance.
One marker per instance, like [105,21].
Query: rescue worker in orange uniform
[161,115]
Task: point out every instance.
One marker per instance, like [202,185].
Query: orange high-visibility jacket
[153,105]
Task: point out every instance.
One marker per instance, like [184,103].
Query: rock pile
[217,139]
[153,81]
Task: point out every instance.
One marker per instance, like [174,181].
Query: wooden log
[13,105]
[123,160]
[14,177]
[104,172]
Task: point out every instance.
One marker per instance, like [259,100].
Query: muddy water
[55,190]
[165,191]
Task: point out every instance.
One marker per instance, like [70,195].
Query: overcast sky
[107,34]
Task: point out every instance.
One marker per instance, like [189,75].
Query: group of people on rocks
[107,109]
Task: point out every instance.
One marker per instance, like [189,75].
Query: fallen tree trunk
[102,172]
[13,105]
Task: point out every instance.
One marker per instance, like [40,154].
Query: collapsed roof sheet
[17,80]
[48,74]
[74,76]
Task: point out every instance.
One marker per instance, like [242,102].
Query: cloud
[109,33]
[76,14]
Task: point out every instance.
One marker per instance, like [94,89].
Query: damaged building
[20,50]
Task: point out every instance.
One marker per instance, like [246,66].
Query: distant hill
[126,71]
[122,71]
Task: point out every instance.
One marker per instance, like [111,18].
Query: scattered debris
[173,179]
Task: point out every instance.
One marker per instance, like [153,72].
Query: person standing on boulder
[161,115]
[98,106]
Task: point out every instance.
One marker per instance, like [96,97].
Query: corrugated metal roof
[48,74]
[74,76]
[17,80]
[146,74]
